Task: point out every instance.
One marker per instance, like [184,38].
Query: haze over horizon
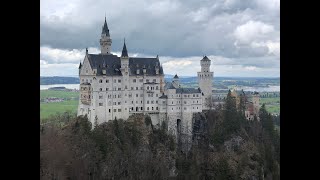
[242,38]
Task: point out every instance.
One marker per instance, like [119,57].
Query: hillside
[227,147]
[58,80]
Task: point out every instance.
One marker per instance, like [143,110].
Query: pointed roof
[176,76]
[80,65]
[105,29]
[124,50]
[205,58]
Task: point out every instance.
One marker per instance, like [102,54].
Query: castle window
[157,108]
[193,95]
[131,88]
[185,95]
[119,110]
[137,95]
[82,80]
[152,108]
[132,103]
[100,81]
[114,103]
[185,108]
[163,102]
[100,97]
[134,80]
[107,81]
[126,87]
[100,104]
[172,102]
[119,96]
[157,87]
[119,89]
[147,80]
[141,108]
[197,107]
[197,101]
[192,107]
[100,89]
[151,102]
[154,80]
[147,102]
[107,89]
[119,80]
[119,103]
[140,80]
[136,88]
[148,108]
[147,87]
[185,102]
[172,109]
[156,95]
[109,110]
[156,102]
[115,110]
[141,102]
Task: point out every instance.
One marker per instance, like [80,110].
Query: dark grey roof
[176,76]
[105,29]
[163,96]
[80,65]
[112,64]
[124,50]
[149,64]
[187,90]
[205,58]
[169,85]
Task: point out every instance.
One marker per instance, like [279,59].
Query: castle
[117,87]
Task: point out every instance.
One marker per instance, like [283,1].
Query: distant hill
[58,80]
[221,82]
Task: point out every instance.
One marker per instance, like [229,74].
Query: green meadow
[47,109]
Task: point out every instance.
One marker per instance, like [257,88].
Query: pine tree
[231,121]
[96,121]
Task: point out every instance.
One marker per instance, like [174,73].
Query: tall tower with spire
[205,78]
[105,41]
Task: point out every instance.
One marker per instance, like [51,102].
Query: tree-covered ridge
[58,80]
[229,148]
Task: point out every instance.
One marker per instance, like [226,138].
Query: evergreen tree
[231,121]
[96,121]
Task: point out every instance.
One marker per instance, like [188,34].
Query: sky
[241,37]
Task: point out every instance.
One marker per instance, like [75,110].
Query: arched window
[100,81]
[100,89]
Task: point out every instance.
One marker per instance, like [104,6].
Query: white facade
[117,87]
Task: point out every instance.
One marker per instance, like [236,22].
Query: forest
[229,147]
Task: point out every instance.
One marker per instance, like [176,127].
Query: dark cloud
[242,30]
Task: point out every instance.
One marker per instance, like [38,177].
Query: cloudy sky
[241,37]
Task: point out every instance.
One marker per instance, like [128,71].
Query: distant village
[56,99]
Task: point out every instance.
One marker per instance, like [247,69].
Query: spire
[124,50]
[80,65]
[176,76]
[105,29]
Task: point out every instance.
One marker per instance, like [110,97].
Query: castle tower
[176,81]
[205,78]
[105,41]
[256,102]
[125,71]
